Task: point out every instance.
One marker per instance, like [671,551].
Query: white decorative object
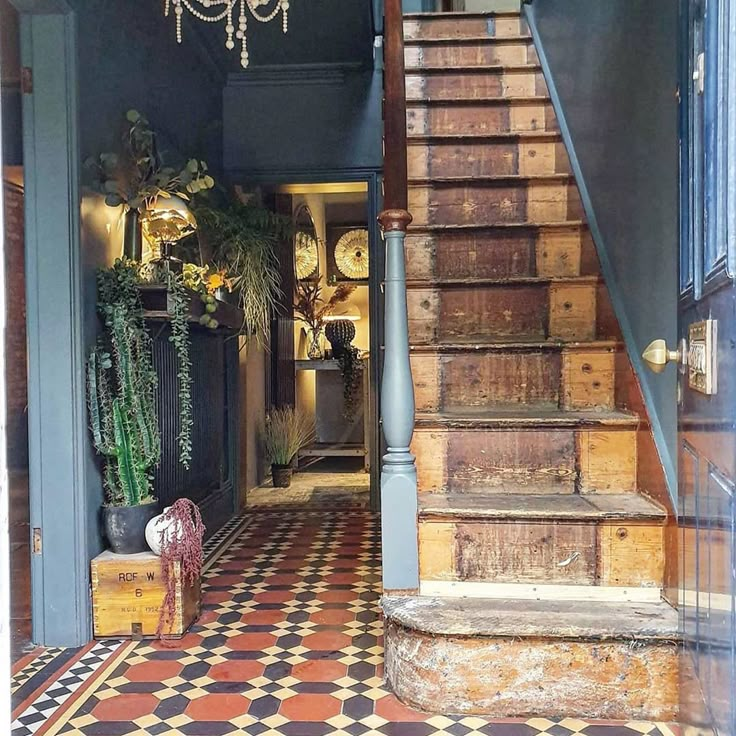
[214,11]
[160,524]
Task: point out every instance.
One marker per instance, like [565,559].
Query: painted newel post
[398,470]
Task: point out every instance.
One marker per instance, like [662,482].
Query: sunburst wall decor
[351,254]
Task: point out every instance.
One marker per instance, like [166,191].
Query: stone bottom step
[520,658]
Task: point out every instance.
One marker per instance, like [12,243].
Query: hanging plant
[340,333]
[179,299]
[181,532]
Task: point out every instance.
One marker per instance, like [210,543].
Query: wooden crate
[127,593]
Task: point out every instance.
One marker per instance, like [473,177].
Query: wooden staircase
[541,561]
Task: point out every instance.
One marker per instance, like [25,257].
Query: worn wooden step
[418,27]
[470,51]
[480,117]
[469,83]
[519,658]
[481,542]
[526,450]
[487,309]
[546,374]
[500,253]
[471,156]
[496,200]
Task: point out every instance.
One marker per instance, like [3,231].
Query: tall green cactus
[121,385]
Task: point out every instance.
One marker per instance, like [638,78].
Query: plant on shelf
[176,535]
[340,333]
[285,432]
[137,175]
[179,298]
[121,384]
[241,241]
[310,308]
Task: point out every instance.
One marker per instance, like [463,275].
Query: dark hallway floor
[289,642]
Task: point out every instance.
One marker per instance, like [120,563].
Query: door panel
[707,430]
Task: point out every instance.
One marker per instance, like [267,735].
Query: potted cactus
[121,383]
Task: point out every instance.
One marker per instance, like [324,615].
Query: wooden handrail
[394,111]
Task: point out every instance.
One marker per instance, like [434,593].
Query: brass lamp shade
[167,220]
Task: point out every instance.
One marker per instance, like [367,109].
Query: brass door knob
[656,355]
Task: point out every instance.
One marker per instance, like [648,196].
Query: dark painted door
[707,368]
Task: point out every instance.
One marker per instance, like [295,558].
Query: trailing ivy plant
[179,297]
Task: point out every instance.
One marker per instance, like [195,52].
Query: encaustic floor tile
[289,643]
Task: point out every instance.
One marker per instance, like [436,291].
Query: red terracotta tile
[319,670]
[125,707]
[263,618]
[156,670]
[327,641]
[215,596]
[207,617]
[238,670]
[217,707]
[274,596]
[310,707]
[337,596]
[251,642]
[332,616]
[392,710]
[283,579]
[342,578]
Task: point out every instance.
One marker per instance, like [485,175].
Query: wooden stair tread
[475,69]
[474,345]
[462,14]
[505,281]
[489,617]
[552,506]
[523,417]
[478,101]
[560,225]
[455,138]
[470,39]
[493,180]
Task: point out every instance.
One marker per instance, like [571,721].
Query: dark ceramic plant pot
[281,475]
[132,236]
[125,527]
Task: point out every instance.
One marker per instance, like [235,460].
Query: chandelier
[214,11]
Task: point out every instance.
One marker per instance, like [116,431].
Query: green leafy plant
[284,433]
[179,298]
[242,240]
[121,384]
[137,175]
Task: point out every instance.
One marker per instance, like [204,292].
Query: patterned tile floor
[289,643]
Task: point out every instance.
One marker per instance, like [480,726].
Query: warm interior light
[167,220]
[349,312]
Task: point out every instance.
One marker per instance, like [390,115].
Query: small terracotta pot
[281,475]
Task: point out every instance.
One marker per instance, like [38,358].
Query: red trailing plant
[181,545]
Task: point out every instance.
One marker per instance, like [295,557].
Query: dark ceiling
[320,32]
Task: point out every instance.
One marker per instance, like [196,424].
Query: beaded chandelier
[214,11]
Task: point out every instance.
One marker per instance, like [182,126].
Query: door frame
[63,516]
[374,180]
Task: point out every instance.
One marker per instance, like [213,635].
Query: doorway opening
[323,347]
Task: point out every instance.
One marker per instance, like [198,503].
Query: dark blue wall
[128,58]
[614,66]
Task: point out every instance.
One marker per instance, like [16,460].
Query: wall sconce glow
[214,11]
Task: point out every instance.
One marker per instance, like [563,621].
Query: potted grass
[121,383]
[285,432]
